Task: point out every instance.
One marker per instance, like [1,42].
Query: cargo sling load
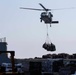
[48,45]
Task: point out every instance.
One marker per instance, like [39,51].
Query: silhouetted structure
[3,47]
[35,68]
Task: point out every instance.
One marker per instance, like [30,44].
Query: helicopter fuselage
[46,17]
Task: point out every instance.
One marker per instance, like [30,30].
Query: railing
[3,39]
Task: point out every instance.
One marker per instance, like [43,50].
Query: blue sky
[26,35]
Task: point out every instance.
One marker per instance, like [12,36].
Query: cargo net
[48,45]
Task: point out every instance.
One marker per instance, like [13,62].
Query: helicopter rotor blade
[32,9]
[61,9]
[43,7]
[64,8]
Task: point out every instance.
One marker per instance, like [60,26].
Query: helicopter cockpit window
[43,14]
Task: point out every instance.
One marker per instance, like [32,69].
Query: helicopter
[45,16]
